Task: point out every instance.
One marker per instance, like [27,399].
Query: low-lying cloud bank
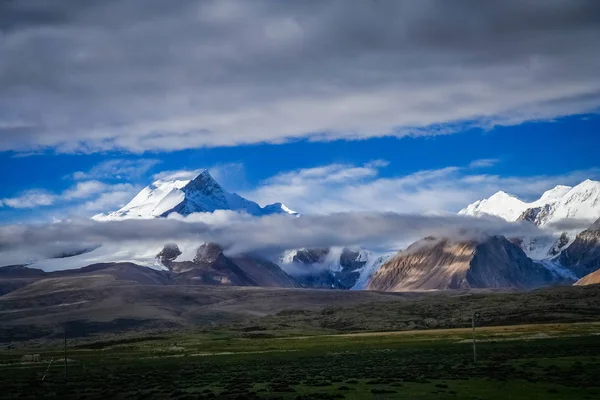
[239,233]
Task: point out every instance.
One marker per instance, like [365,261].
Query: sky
[414,107]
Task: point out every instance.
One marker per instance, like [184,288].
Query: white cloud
[484,163]
[103,194]
[30,199]
[333,173]
[344,188]
[115,197]
[117,169]
[182,175]
[82,190]
[270,71]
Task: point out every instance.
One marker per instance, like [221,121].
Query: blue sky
[547,153]
[406,106]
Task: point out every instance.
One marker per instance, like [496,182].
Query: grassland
[545,361]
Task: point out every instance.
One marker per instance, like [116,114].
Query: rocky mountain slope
[201,194]
[332,268]
[210,267]
[510,208]
[582,257]
[563,203]
[428,264]
[590,279]
[443,264]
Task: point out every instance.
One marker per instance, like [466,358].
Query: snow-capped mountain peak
[278,208]
[581,203]
[201,194]
[501,204]
[151,202]
[559,202]
[554,194]
[204,183]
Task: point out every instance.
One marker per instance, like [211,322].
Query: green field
[555,361]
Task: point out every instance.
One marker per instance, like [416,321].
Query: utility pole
[47,368]
[473,316]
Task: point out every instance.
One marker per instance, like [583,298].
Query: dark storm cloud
[152,74]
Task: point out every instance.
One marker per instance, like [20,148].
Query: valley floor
[545,361]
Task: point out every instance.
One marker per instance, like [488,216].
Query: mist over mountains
[343,250]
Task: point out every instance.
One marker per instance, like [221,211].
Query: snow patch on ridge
[374,262]
[562,203]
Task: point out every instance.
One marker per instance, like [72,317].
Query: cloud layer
[117,169]
[240,233]
[84,197]
[153,75]
[346,187]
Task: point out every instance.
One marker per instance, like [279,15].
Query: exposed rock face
[208,253]
[323,268]
[212,267]
[315,273]
[310,256]
[351,263]
[204,194]
[351,260]
[168,254]
[443,264]
[497,263]
[427,264]
[582,257]
[560,244]
[536,215]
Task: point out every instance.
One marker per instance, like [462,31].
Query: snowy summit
[562,202]
[184,197]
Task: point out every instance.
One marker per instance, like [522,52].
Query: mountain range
[579,204]
[562,202]
[558,257]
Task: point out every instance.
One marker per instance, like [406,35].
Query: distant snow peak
[501,204]
[555,194]
[278,208]
[581,202]
[151,202]
[185,197]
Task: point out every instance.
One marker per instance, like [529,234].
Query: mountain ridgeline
[444,264]
[440,263]
[580,204]
[185,197]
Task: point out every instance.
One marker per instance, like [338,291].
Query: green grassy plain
[552,361]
